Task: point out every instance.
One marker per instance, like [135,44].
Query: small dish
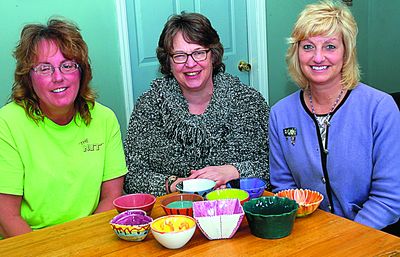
[199,186]
[139,201]
[131,225]
[308,200]
[218,219]
[270,216]
[229,193]
[180,204]
[173,231]
[253,185]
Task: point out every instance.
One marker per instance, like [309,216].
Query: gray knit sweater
[165,139]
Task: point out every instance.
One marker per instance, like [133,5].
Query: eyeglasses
[46,69]
[197,56]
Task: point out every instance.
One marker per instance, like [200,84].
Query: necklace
[326,122]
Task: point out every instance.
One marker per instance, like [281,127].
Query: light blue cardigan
[362,168]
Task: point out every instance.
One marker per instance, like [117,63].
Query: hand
[220,174]
[173,185]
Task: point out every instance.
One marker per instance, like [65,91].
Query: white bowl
[173,231]
[200,186]
[218,219]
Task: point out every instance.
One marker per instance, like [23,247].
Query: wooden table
[320,234]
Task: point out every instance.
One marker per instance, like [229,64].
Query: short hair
[195,28]
[66,35]
[325,18]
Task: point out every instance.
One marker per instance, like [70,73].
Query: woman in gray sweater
[197,121]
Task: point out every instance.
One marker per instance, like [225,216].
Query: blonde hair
[66,35]
[325,18]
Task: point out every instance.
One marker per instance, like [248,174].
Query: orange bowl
[308,200]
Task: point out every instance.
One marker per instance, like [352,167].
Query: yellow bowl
[308,200]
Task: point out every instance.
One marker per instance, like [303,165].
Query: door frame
[257,43]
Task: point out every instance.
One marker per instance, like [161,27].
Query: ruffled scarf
[189,130]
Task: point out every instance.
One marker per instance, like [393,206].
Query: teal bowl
[271,216]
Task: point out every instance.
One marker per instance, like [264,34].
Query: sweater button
[323,180]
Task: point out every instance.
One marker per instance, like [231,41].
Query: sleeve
[383,205]
[115,165]
[250,137]
[143,132]
[11,168]
[281,177]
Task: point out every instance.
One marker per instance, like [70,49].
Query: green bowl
[271,216]
[229,193]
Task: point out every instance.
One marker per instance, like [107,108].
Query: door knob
[244,66]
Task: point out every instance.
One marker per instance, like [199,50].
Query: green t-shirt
[57,169]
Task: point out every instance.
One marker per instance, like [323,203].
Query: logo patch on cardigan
[290,133]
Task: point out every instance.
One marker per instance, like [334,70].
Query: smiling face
[58,91]
[192,75]
[321,59]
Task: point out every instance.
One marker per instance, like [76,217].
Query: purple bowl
[131,225]
[253,185]
[132,218]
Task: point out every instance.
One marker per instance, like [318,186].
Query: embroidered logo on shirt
[87,147]
[290,133]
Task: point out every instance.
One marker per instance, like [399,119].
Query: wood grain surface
[320,234]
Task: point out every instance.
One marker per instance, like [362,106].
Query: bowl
[308,200]
[131,225]
[253,185]
[139,201]
[200,186]
[229,193]
[180,204]
[270,216]
[173,231]
[218,219]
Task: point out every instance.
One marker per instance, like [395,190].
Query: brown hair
[195,28]
[325,18]
[67,37]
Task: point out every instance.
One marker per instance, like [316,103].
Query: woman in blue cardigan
[335,135]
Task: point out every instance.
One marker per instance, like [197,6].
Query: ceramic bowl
[199,186]
[270,216]
[229,193]
[131,225]
[253,185]
[139,201]
[173,231]
[218,219]
[308,200]
[181,204]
